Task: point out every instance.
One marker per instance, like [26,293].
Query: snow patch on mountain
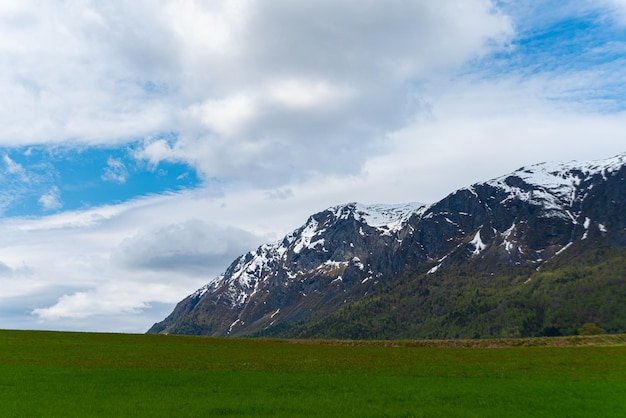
[248,272]
[478,244]
[508,244]
[307,234]
[554,186]
[387,218]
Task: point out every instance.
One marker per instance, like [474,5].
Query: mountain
[539,251]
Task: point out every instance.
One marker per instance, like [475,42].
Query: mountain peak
[558,188]
[387,218]
[558,175]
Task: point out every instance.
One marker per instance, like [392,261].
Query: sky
[145,145]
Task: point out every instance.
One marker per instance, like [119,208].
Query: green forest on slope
[468,301]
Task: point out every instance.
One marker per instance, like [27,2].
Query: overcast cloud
[205,128]
[284,88]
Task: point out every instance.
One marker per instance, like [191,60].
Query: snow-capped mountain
[341,248]
[342,254]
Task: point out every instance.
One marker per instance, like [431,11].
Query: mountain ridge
[521,220]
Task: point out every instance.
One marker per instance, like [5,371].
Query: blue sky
[42,180]
[145,145]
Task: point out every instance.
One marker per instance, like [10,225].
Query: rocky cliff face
[346,252]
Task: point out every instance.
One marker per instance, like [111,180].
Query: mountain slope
[408,269]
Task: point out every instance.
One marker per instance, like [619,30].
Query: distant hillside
[539,251]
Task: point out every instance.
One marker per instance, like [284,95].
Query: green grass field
[54,374]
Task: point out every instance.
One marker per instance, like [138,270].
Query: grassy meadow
[57,374]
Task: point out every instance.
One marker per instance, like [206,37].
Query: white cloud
[52,199]
[305,94]
[155,151]
[12,166]
[69,77]
[225,117]
[10,272]
[115,171]
[111,265]
[192,246]
[208,28]
[619,9]
[102,301]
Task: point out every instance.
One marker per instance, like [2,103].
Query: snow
[245,276]
[451,222]
[478,244]
[555,185]
[331,265]
[357,262]
[386,218]
[563,249]
[234,324]
[602,228]
[434,269]
[508,244]
[319,242]
[309,231]
[200,292]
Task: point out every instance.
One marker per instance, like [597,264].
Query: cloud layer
[278,88]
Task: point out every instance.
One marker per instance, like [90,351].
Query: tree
[590,329]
